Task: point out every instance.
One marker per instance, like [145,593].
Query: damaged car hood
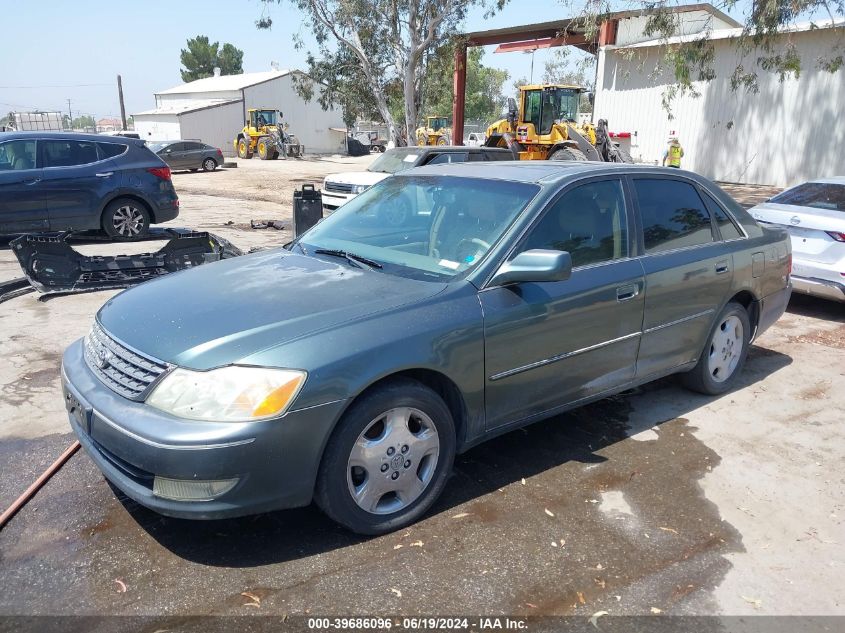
[220,313]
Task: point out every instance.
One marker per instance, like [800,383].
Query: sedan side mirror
[535,265]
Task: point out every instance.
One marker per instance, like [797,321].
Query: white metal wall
[157,127]
[181,99]
[308,121]
[786,133]
[631,29]
[217,125]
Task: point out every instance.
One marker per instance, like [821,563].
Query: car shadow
[816,308]
[576,436]
[197,171]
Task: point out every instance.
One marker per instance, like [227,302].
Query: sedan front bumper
[275,462]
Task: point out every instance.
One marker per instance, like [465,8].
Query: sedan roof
[541,172]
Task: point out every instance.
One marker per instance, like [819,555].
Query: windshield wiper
[350,257]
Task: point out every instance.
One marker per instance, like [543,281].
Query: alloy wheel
[128,221]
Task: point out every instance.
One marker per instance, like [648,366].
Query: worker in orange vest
[673,153]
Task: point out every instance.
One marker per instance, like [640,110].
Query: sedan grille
[340,187]
[120,369]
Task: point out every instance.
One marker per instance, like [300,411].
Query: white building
[787,132]
[213,110]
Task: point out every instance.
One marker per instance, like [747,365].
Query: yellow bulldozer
[263,134]
[543,126]
[436,131]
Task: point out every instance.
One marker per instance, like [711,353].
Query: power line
[52,86]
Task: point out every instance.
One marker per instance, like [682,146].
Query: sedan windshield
[818,195]
[424,227]
[395,160]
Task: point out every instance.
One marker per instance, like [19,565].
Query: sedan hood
[358,177]
[220,313]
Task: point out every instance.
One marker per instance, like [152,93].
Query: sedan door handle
[33,181]
[629,291]
[722,267]
[104,174]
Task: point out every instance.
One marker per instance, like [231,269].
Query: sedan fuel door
[552,342]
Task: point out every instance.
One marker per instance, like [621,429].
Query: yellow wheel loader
[544,127]
[264,135]
[436,131]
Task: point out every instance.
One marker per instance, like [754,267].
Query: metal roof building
[214,110]
[787,132]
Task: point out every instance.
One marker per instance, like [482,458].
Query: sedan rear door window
[673,215]
[727,227]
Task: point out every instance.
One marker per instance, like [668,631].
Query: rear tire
[388,460]
[125,220]
[724,354]
[567,153]
[209,164]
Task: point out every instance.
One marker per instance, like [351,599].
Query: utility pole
[69,114]
[122,107]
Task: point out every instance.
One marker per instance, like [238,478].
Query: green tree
[562,68]
[202,57]
[230,60]
[484,88]
[390,41]
[83,122]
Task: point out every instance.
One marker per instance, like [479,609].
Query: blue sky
[82,46]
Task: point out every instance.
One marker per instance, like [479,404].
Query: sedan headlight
[228,394]
[359,188]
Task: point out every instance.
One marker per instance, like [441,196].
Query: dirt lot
[656,499]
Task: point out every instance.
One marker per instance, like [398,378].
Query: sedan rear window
[818,195]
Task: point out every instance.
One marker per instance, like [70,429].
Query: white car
[339,189]
[813,214]
[475,139]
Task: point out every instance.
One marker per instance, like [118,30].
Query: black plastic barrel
[307,209]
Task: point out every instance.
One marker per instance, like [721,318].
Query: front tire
[243,148]
[125,220]
[388,460]
[724,354]
[568,153]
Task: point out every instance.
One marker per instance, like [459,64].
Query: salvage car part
[52,266]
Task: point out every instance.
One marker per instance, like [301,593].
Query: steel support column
[459,99]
